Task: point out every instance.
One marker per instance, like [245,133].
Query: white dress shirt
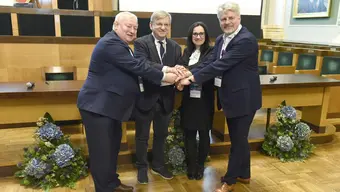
[195,56]
[228,38]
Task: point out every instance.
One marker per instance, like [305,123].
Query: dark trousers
[160,128]
[239,157]
[196,161]
[103,136]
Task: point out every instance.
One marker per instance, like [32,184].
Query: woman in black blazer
[197,108]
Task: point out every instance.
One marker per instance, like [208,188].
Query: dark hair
[190,45]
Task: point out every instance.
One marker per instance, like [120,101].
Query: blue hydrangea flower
[63,155]
[176,156]
[288,112]
[302,131]
[37,168]
[285,143]
[49,131]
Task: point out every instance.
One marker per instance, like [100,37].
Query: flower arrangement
[288,139]
[51,161]
[174,146]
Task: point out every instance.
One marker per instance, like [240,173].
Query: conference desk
[20,107]
[307,92]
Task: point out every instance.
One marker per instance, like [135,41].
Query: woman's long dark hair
[190,45]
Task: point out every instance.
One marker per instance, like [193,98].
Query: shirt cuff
[163,76]
[164,69]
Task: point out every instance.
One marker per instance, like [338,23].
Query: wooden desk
[21,107]
[18,105]
[308,92]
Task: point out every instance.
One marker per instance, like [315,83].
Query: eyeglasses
[201,34]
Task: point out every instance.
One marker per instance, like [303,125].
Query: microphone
[273,79]
[30,85]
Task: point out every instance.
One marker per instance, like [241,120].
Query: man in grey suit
[156,103]
[108,97]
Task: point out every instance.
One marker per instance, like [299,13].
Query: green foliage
[174,146]
[51,161]
[288,139]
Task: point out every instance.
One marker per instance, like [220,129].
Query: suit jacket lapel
[219,45]
[234,39]
[168,53]
[153,49]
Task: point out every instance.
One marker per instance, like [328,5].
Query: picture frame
[311,8]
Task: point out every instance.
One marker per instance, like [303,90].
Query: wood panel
[23,62]
[75,55]
[297,97]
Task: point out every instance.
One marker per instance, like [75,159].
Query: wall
[23,61]
[312,30]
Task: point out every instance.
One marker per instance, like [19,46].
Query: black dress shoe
[199,175]
[191,176]
[123,188]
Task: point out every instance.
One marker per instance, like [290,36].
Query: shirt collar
[156,40]
[231,36]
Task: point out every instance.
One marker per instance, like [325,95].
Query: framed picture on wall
[311,8]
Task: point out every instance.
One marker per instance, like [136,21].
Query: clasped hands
[178,75]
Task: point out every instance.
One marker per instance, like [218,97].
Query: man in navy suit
[108,97]
[233,63]
[156,103]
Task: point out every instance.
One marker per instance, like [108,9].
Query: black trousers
[196,156]
[239,157]
[143,121]
[103,136]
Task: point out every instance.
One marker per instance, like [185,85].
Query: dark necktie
[161,50]
[223,53]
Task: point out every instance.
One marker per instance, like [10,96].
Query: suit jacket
[111,87]
[145,48]
[240,92]
[197,113]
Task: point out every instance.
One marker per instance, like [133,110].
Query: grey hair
[159,15]
[228,6]
[123,15]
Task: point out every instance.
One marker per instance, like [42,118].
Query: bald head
[126,25]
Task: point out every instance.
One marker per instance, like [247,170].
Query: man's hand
[179,86]
[179,71]
[170,78]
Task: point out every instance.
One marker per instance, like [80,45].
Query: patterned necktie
[161,50]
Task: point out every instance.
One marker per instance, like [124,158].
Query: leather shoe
[242,180]
[123,188]
[225,188]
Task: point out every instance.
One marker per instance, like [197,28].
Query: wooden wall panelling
[75,55]
[57,25]
[101,5]
[96,26]
[15,27]
[54,4]
[24,61]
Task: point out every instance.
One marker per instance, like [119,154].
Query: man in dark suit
[108,96]
[156,103]
[234,64]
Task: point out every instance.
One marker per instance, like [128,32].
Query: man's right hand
[170,78]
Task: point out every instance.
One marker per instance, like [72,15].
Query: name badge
[218,81]
[195,90]
[141,86]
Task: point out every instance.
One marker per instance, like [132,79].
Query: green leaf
[283,103]
[49,117]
